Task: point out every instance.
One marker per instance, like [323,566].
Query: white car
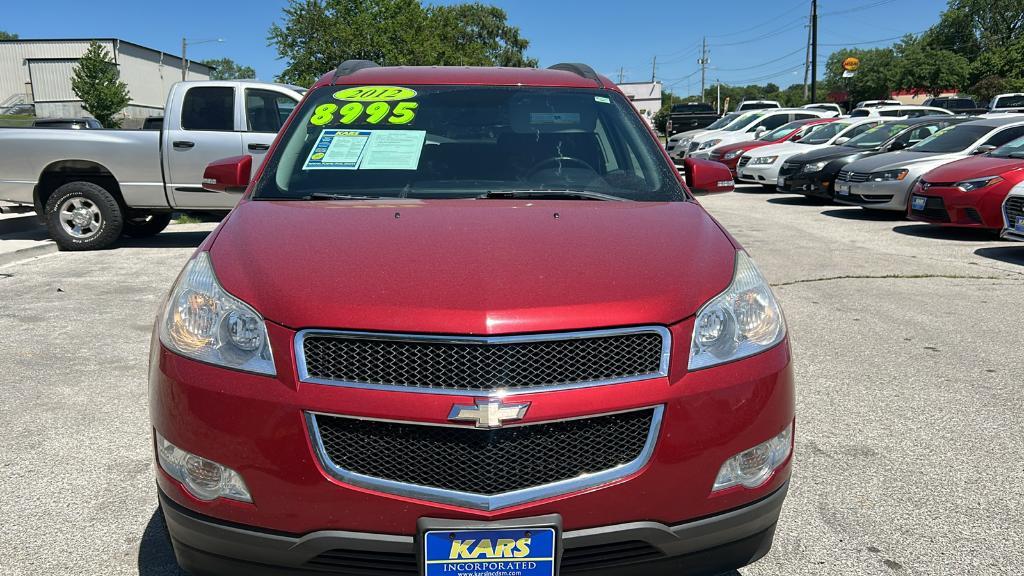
[762,165]
[749,126]
[747,105]
[836,109]
[872,103]
[900,111]
[1007,103]
[1013,214]
[677,143]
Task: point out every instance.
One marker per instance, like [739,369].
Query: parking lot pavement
[907,349]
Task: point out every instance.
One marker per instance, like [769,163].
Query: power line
[858,8]
[874,41]
[798,23]
[762,24]
[762,64]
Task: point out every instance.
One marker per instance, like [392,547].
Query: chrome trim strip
[482,501]
[300,358]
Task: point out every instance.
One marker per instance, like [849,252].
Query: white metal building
[39,72]
[646,96]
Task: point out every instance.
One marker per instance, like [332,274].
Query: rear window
[692,108]
[859,112]
[464,142]
[1009,102]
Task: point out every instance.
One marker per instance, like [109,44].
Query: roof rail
[579,70]
[351,66]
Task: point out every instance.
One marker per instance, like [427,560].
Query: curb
[27,253]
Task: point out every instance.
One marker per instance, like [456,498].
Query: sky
[749,41]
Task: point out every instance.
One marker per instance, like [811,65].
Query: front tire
[83,216]
[146,225]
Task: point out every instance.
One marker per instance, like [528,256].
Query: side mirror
[897,145]
[760,130]
[984,149]
[842,140]
[707,177]
[228,174]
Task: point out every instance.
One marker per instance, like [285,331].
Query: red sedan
[969,193]
[730,155]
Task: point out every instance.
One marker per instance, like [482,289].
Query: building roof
[192,63]
[463,75]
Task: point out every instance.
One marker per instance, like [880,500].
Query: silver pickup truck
[92,186]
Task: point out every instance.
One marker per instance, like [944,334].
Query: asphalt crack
[889,277]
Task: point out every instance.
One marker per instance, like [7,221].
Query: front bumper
[817,184]
[891,195]
[766,174]
[206,546]
[954,208]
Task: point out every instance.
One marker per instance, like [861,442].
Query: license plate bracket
[527,546]
[843,189]
[919,202]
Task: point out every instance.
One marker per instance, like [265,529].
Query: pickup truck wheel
[83,216]
[146,225]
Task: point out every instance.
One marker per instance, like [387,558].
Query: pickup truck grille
[468,365]
[468,460]
[847,176]
[1014,209]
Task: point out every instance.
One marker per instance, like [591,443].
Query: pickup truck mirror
[228,174]
[707,177]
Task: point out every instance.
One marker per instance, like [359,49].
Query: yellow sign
[851,64]
[375,94]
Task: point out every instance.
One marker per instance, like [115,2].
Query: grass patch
[186,219]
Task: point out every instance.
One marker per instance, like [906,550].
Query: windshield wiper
[330,196]
[551,195]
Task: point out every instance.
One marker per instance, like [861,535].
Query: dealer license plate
[919,202]
[843,189]
[520,551]
[781,182]
[1019,226]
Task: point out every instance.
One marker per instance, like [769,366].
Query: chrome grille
[469,365]
[693,147]
[848,176]
[744,160]
[1014,209]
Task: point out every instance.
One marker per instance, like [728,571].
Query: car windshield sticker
[358,113]
[603,99]
[366,150]
[338,150]
[375,94]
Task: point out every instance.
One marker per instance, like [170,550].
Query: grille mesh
[482,367]
[486,462]
[743,161]
[848,176]
[1014,209]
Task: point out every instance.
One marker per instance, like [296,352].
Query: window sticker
[366,150]
[358,113]
[554,117]
[375,94]
[603,99]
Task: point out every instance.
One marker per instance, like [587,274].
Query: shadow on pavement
[1009,254]
[752,189]
[941,233]
[798,201]
[156,557]
[854,213]
[171,239]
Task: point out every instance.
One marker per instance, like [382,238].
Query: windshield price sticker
[375,94]
[359,113]
[366,150]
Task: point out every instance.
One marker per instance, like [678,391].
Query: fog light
[753,467]
[204,479]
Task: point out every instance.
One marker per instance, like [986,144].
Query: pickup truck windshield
[1009,102]
[467,142]
[951,139]
[875,137]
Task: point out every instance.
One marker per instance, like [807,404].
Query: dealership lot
[907,356]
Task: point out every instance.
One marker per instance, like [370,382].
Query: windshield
[724,120]
[782,131]
[466,142]
[692,108]
[876,136]
[743,121]
[1014,149]
[1009,102]
[951,139]
[824,133]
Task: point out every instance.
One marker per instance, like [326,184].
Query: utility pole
[807,57]
[718,101]
[814,50]
[654,65]
[703,65]
[184,67]
[620,74]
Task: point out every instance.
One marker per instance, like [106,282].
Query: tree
[875,78]
[8,35]
[228,69]
[922,69]
[317,35]
[97,84]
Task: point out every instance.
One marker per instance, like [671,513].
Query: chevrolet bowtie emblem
[488,413]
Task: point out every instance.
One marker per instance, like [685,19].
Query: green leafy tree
[7,36]
[97,84]
[228,69]
[875,78]
[316,35]
[922,69]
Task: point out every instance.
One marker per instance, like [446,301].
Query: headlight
[710,143]
[742,321]
[764,160]
[889,175]
[204,479]
[977,183]
[731,155]
[204,322]
[814,166]
[754,467]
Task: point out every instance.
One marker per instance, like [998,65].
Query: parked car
[747,105]
[751,125]
[94,185]
[762,165]
[691,116]
[730,154]
[378,363]
[875,103]
[678,144]
[814,173]
[884,181]
[826,106]
[1013,214]
[68,123]
[899,111]
[969,193]
[956,104]
[1008,103]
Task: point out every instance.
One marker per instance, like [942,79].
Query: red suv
[470,321]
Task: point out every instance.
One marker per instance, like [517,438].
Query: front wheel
[83,216]
[145,225]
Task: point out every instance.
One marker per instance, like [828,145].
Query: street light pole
[184,53]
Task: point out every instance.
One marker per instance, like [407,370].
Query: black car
[956,104]
[814,173]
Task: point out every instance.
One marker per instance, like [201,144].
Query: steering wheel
[559,159]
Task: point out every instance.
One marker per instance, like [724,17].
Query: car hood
[900,159]
[974,167]
[827,153]
[689,134]
[784,150]
[472,266]
[745,145]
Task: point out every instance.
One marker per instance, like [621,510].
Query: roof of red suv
[463,75]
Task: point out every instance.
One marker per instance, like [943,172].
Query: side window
[804,116]
[917,134]
[859,112]
[209,108]
[772,122]
[858,130]
[894,113]
[1005,136]
[266,110]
